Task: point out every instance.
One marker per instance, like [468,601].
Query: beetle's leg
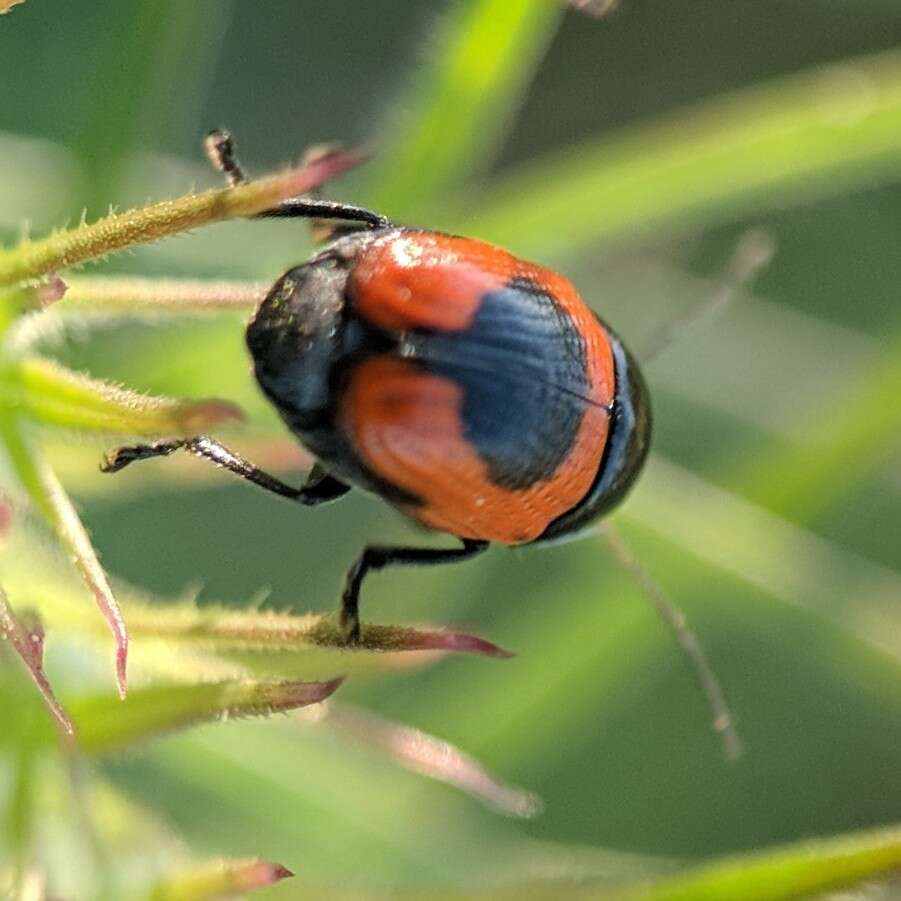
[319,488]
[220,148]
[377,557]
[674,618]
[313,208]
[752,253]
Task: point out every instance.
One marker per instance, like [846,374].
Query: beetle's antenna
[751,255]
[220,148]
[723,723]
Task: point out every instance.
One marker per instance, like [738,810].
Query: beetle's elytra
[474,391]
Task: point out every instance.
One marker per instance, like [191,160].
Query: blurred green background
[770,508]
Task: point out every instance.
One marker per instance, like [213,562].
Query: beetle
[474,391]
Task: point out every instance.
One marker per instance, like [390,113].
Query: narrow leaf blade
[853,437]
[219,879]
[223,629]
[816,134]
[106,725]
[781,874]
[429,756]
[52,502]
[27,641]
[56,396]
[464,98]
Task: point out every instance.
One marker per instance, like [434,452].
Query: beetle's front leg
[319,488]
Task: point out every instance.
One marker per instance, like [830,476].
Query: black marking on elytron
[523,370]
[628,441]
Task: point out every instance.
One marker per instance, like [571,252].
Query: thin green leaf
[145,45]
[485,55]
[776,874]
[106,725]
[52,502]
[223,629]
[56,396]
[780,874]
[853,437]
[819,133]
[218,879]
[423,837]
[27,640]
[789,562]
[429,756]
[73,247]
[213,642]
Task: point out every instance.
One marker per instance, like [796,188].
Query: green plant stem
[36,259]
[133,295]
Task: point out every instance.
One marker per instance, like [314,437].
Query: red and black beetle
[473,391]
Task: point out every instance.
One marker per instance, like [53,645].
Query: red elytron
[500,324]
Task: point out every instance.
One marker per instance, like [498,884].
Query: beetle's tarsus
[119,457]
[350,628]
[321,489]
[220,149]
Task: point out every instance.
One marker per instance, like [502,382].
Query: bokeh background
[769,509]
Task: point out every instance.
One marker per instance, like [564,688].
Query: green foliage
[483,56]
[769,520]
[785,873]
[786,142]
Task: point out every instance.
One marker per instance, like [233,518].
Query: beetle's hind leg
[378,557]
[220,148]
